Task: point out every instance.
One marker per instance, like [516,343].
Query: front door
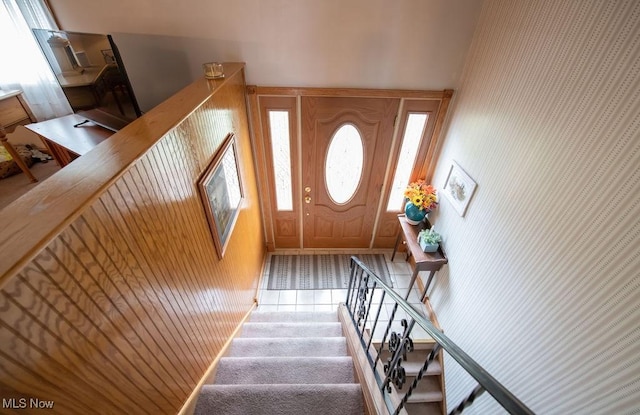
[345,148]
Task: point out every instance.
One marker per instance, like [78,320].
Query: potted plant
[429,240]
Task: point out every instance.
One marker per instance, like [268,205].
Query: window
[280,150]
[343,165]
[411,138]
[27,69]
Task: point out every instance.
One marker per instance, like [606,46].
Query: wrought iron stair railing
[360,303]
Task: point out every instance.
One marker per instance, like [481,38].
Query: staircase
[285,363]
[427,398]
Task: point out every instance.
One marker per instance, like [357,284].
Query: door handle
[307,199]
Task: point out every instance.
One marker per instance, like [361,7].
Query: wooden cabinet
[14,110]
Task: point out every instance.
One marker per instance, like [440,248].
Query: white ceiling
[413,44]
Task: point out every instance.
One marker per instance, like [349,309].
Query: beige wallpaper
[412,44]
[543,283]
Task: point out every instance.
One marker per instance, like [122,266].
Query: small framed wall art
[458,188]
[221,192]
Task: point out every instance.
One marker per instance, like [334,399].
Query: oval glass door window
[343,165]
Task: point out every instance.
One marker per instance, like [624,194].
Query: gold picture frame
[220,188]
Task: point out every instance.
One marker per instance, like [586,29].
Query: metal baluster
[353,288]
[354,295]
[479,390]
[386,332]
[363,290]
[366,317]
[399,345]
[418,378]
[375,323]
[352,273]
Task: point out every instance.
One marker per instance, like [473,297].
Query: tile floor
[328,300]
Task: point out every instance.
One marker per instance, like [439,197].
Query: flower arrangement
[422,195]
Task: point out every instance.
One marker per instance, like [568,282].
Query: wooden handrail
[35,219]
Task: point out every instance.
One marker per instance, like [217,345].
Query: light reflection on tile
[322,296]
[338,296]
[305,297]
[401,280]
[268,297]
[288,297]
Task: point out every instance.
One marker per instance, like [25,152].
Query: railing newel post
[352,269]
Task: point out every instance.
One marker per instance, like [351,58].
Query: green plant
[429,236]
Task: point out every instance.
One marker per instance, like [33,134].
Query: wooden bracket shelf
[419,260]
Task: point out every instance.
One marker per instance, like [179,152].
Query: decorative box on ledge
[427,247]
[429,240]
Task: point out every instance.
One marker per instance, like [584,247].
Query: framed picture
[458,188]
[108,56]
[221,192]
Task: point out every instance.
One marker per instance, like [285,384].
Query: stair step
[424,408]
[284,370]
[415,360]
[426,384]
[293,316]
[412,368]
[336,399]
[266,329]
[290,347]
[433,396]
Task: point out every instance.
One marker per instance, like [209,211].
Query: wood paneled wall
[113,299]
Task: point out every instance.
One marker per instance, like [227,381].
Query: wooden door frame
[285,224]
[422,169]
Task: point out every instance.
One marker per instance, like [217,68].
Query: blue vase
[414,214]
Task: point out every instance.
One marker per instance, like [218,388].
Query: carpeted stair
[427,398]
[285,363]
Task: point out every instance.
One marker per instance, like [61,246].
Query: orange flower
[422,195]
